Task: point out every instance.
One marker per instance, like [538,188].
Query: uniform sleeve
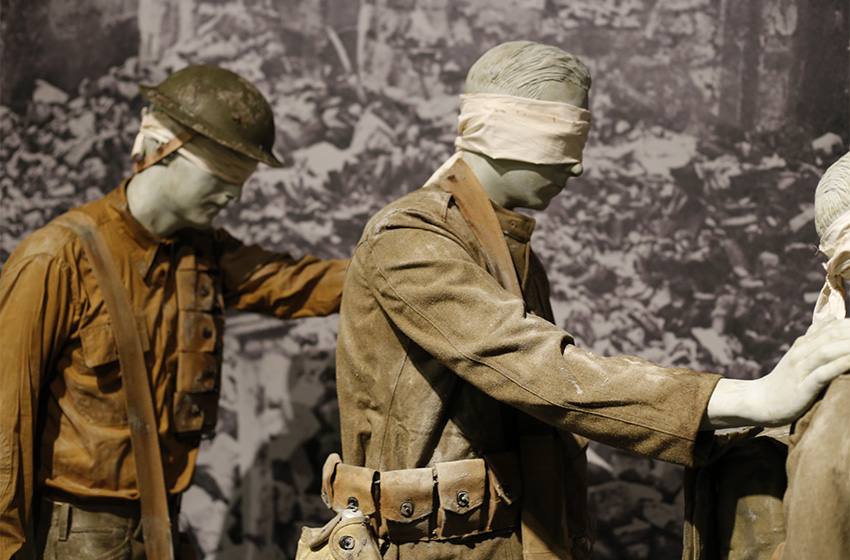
[36,310]
[278,284]
[450,306]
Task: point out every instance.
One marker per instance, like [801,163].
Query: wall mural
[689,240]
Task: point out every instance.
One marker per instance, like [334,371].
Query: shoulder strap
[544,528]
[478,212]
[137,391]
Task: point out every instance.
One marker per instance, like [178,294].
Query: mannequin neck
[488,177]
[146,201]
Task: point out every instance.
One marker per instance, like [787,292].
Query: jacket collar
[516,225]
[143,243]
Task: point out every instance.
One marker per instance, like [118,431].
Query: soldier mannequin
[455,390]
[69,478]
[817,502]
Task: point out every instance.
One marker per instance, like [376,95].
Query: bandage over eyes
[529,130]
[207,154]
[835,244]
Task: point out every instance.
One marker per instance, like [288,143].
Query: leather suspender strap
[163,150]
[137,391]
[538,454]
[478,212]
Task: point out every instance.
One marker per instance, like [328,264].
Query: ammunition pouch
[451,500]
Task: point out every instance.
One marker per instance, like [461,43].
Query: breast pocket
[98,393]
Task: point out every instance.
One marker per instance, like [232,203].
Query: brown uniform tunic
[436,362]
[63,427]
[817,502]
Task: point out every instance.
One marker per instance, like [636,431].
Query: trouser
[66,531]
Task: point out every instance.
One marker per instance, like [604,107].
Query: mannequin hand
[783,395]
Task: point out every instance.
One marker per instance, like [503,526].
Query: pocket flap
[461,484]
[352,483]
[407,495]
[100,346]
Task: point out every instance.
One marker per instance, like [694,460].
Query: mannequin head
[533,71]
[203,137]
[175,193]
[832,196]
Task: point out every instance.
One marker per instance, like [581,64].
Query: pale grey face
[197,196]
[529,185]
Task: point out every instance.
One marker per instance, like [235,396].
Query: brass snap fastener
[353,503]
[462,499]
[346,542]
[407,509]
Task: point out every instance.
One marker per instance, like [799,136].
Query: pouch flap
[199,331]
[198,372]
[461,484]
[505,476]
[195,412]
[353,486]
[328,470]
[407,495]
[196,290]
[100,346]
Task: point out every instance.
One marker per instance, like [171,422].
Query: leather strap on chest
[478,212]
[140,410]
[544,527]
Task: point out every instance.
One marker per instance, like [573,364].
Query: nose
[576,169]
[232,192]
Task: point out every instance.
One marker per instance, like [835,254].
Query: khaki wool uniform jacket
[436,362]
[64,432]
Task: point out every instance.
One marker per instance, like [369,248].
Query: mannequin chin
[166,199]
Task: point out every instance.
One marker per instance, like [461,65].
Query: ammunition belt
[449,500]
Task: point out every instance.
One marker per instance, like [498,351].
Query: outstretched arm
[780,397]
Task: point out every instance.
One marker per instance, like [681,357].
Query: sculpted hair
[832,196]
[523,68]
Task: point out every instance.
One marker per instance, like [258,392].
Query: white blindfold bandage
[835,244]
[529,130]
[207,154]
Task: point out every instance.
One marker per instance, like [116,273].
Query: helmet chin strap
[163,150]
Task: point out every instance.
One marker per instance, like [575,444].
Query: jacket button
[407,508]
[462,499]
[207,332]
[353,503]
[195,410]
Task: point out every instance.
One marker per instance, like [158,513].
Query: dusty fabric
[817,503]
[835,244]
[207,154]
[62,394]
[436,362]
[530,130]
[733,503]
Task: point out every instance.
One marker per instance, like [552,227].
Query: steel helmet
[220,105]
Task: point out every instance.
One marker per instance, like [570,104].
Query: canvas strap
[140,410]
[163,150]
[542,508]
[478,212]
